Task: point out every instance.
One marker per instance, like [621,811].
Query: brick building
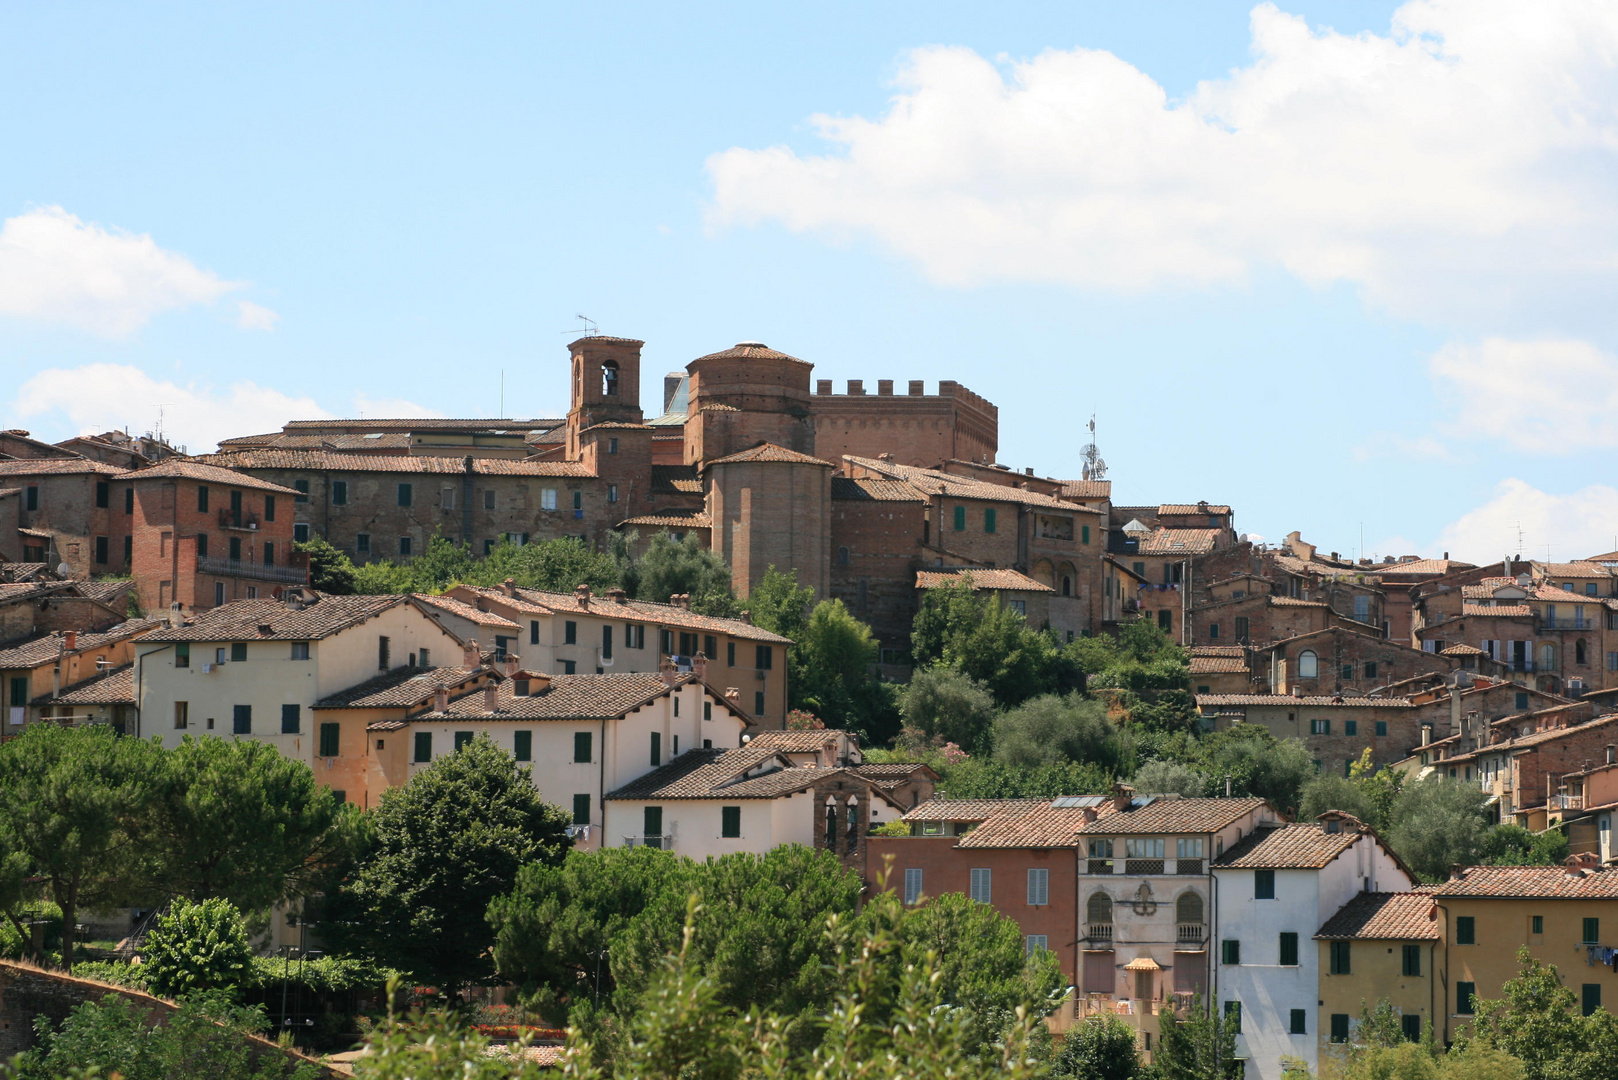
[1336,730]
[1337,659]
[59,509]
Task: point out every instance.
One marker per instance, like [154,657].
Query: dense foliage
[197,947]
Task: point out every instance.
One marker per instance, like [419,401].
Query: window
[635,637]
[606,642]
[1340,957]
[1241,628]
[269,507]
[235,547]
[424,747]
[238,651]
[1522,700]
[182,709]
[988,519]
[1233,1015]
[1299,1024]
[1411,1023]
[406,494]
[763,657]
[979,888]
[1465,934]
[462,738]
[1320,727]
[362,542]
[1230,951]
[730,653]
[1213,631]
[581,746]
[31,497]
[1351,727]
[329,739]
[182,658]
[1289,949]
[1592,931]
[1411,961]
[578,504]
[129,500]
[960,519]
[1370,669]
[1165,621]
[104,494]
[912,885]
[570,632]
[1381,728]
[1537,924]
[269,553]
[1464,994]
[291,716]
[1145,847]
[101,549]
[241,720]
[581,809]
[1590,999]
[730,822]
[404,546]
[1308,665]
[522,745]
[502,645]
[547,499]
[1263,884]
[1019,606]
[129,548]
[1036,942]
[707,710]
[1084,533]
[1039,887]
[1188,909]
[758,703]
[339,492]
[300,533]
[446,498]
[1348,671]
[657,748]
[1339,1027]
[568,667]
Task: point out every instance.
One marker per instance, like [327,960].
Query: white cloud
[1556,396]
[55,267]
[1576,525]
[1461,163]
[251,316]
[100,397]
[392,408]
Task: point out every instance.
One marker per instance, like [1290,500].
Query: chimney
[668,672]
[1455,710]
[699,664]
[1426,734]
[1089,814]
[441,700]
[827,758]
[470,656]
[512,666]
[617,596]
[71,640]
[1584,860]
[746,616]
[582,595]
[733,696]
[1122,796]
[491,698]
[509,586]
[265,629]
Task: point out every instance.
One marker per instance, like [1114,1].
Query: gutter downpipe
[1445,997]
[1213,921]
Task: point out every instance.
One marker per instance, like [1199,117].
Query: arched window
[853,824]
[1308,665]
[1188,908]
[831,825]
[609,379]
[1067,585]
[1099,909]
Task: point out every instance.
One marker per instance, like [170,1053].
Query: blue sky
[1344,266]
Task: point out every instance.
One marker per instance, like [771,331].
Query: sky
[1346,266]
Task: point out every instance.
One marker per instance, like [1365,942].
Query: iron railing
[291,575]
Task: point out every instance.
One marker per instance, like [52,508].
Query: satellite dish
[63,569]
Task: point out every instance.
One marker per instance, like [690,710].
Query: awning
[1143,963]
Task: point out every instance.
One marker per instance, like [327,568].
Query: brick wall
[877,581]
[772,514]
[917,429]
[1369,662]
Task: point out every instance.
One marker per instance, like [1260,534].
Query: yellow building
[1378,945]
[1565,915]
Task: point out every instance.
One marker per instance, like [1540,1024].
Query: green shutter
[657,749]
[1592,931]
[581,746]
[462,738]
[988,519]
[522,745]
[652,827]
[960,519]
[730,822]
[1289,950]
[1085,532]
[329,738]
[424,746]
[581,809]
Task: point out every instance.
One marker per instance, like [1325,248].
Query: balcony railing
[1147,866]
[1190,933]
[1567,802]
[1188,866]
[1551,622]
[1100,866]
[291,575]
[661,843]
[238,519]
[1143,866]
[1098,931]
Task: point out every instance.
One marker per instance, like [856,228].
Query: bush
[1052,730]
[198,947]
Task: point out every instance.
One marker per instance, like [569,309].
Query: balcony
[1551,622]
[1567,802]
[1105,1005]
[289,575]
[1188,866]
[1190,933]
[238,519]
[1143,866]
[1099,866]
[661,843]
[1098,931]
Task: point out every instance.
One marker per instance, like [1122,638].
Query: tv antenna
[160,406]
[591,327]
[1094,467]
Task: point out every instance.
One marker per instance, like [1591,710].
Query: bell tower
[605,385]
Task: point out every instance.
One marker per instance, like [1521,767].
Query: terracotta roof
[403,686]
[1041,824]
[43,649]
[372,441]
[107,590]
[980,579]
[1179,541]
[794,742]
[931,482]
[1383,916]
[13,591]
[1311,702]
[181,469]
[22,571]
[1460,648]
[1087,489]
[669,479]
[843,487]
[240,620]
[750,350]
[1533,882]
[1192,508]
[1581,569]
[615,425]
[113,687]
[471,614]
[771,454]
[969,809]
[688,519]
[1163,815]
[567,697]
[516,603]
[1292,601]
[1289,847]
[636,611]
[1421,566]
[1557,595]
[1498,611]
[424,423]
[1218,665]
[335,461]
[56,467]
[1217,650]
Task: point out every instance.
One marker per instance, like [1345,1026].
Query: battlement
[948,389]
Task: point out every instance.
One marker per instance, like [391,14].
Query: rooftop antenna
[1094,467]
[591,328]
[161,405]
[502,411]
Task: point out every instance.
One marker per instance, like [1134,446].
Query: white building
[1273,890]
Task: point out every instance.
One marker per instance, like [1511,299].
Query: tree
[1140,658]
[1170,777]
[67,797]
[1200,1045]
[835,673]
[1538,1021]
[1257,763]
[976,634]
[447,844]
[671,567]
[779,604]
[986,778]
[1101,1048]
[1049,730]
[1439,823]
[947,705]
[198,947]
[234,819]
[330,570]
[1513,845]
